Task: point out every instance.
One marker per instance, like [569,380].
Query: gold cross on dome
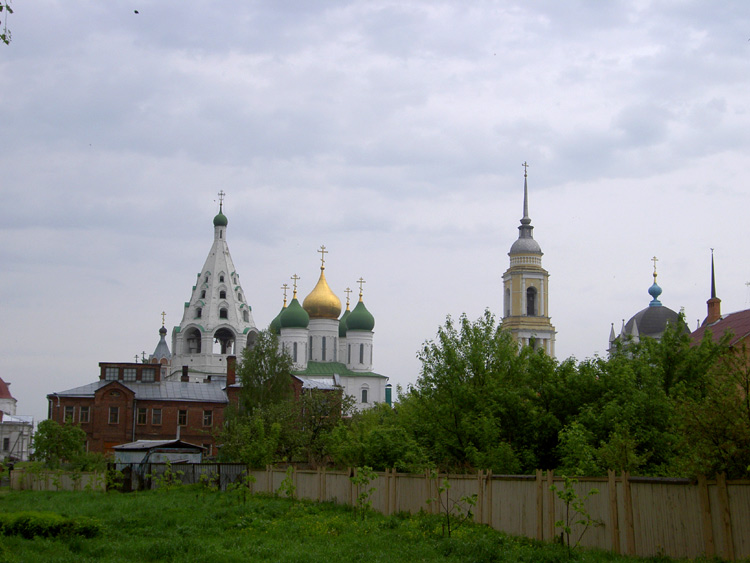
[221,197]
[654,260]
[294,279]
[323,253]
[525,168]
[361,282]
[348,291]
[163,315]
[285,288]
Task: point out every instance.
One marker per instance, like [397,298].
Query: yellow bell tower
[526,288]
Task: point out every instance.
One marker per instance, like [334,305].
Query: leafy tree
[5,34]
[55,443]
[265,372]
[320,412]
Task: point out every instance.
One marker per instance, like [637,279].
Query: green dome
[275,326]
[220,220]
[360,318]
[294,316]
[342,323]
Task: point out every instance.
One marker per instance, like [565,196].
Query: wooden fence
[21,480]
[640,516]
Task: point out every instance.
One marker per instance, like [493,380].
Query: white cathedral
[328,351]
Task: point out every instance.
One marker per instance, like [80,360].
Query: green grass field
[190,524]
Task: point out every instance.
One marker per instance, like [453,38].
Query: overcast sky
[393,132]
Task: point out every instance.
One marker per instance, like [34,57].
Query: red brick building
[130,402]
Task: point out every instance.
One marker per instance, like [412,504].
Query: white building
[15,430]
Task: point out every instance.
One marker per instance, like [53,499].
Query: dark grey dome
[526,246]
[652,321]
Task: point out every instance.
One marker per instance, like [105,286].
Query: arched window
[323,348]
[245,316]
[222,294]
[198,312]
[364,394]
[239,297]
[223,313]
[193,340]
[310,348]
[294,353]
[221,278]
[507,302]
[203,293]
[362,354]
[531,302]
[223,341]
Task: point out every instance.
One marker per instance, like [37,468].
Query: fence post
[726,516]
[551,504]
[614,523]
[708,529]
[539,505]
[489,497]
[629,528]
[480,496]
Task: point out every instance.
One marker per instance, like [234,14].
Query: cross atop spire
[285,288]
[361,282]
[348,290]
[294,279]
[163,316]
[654,260]
[323,253]
[221,199]
[525,168]
[526,220]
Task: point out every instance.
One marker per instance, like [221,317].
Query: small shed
[158,451]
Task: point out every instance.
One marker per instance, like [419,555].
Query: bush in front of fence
[30,524]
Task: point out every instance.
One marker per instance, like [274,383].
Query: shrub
[31,524]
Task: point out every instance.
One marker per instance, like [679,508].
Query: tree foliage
[55,443]
[5,11]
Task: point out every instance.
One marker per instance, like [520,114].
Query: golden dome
[322,303]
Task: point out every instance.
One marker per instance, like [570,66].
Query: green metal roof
[329,368]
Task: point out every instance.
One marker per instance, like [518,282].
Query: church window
[156,417]
[83,414]
[114,415]
[147,375]
[349,354]
[294,352]
[364,394]
[323,348]
[203,293]
[182,417]
[128,374]
[198,312]
[361,353]
[335,349]
[245,316]
[222,294]
[69,414]
[370,355]
[206,281]
[507,302]
[111,374]
[221,278]
[223,313]
[531,302]
[221,233]
[311,348]
[142,414]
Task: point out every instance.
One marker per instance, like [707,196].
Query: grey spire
[713,279]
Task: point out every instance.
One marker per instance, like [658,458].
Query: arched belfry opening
[531,302]
[193,341]
[223,341]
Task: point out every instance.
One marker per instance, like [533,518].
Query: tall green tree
[265,372]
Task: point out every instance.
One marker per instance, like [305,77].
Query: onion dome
[322,303]
[220,220]
[342,320]
[360,318]
[275,326]
[294,316]
[162,349]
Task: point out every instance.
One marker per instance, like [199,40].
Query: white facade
[217,321]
